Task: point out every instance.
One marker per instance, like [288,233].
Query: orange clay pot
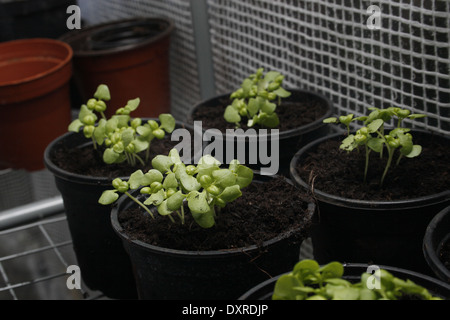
[131,57]
[34,99]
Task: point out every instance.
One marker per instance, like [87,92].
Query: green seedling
[309,281]
[372,136]
[206,187]
[122,137]
[254,100]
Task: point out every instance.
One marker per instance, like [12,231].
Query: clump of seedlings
[372,136]
[254,100]
[205,187]
[309,281]
[123,137]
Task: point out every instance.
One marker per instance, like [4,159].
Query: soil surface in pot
[89,161]
[341,173]
[444,254]
[249,220]
[292,115]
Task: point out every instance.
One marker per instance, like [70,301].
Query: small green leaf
[100,132]
[111,125]
[135,179]
[127,136]
[163,209]
[416,151]
[332,270]
[122,120]
[231,193]
[168,122]
[416,116]
[232,115]
[268,107]
[133,104]
[224,177]
[162,163]
[102,93]
[108,197]
[140,144]
[330,120]
[170,181]
[375,125]
[270,121]
[254,105]
[144,131]
[156,198]
[282,93]
[244,176]
[376,144]
[75,125]
[175,201]
[109,156]
[151,176]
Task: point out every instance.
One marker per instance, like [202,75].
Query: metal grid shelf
[33,262]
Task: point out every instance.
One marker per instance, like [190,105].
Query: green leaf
[271,121]
[244,176]
[416,151]
[140,144]
[332,270]
[200,209]
[330,120]
[188,182]
[254,105]
[230,194]
[375,125]
[122,120]
[268,107]
[170,181]
[100,132]
[282,93]
[376,144]
[175,156]
[416,116]
[102,93]
[168,122]
[163,209]
[232,115]
[133,104]
[156,198]
[109,156]
[75,125]
[144,131]
[247,86]
[162,163]
[151,176]
[111,125]
[135,179]
[285,288]
[175,201]
[108,197]
[271,76]
[127,136]
[224,177]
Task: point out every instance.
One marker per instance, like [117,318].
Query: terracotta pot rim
[62,63]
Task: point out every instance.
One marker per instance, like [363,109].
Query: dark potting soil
[262,212]
[89,161]
[292,115]
[341,173]
[444,254]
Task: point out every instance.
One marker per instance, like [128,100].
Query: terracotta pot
[131,57]
[34,99]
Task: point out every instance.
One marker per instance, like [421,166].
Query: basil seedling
[123,138]
[310,281]
[372,136]
[206,187]
[254,100]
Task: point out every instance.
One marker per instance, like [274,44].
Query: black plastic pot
[380,232]
[104,264]
[436,235]
[164,273]
[289,141]
[352,273]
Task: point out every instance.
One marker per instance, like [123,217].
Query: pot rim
[198,254]
[363,204]
[87,33]
[363,266]
[282,134]
[81,178]
[32,42]
[430,249]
